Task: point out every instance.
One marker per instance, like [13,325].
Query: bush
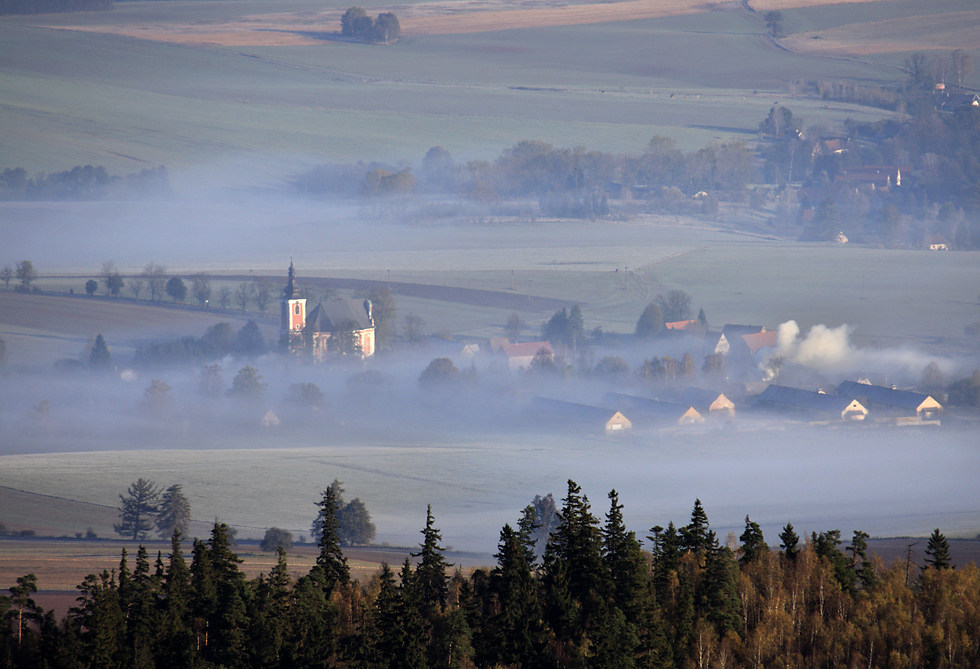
[276,537]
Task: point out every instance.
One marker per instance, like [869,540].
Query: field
[605,76]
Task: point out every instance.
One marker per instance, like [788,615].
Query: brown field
[952,30]
[432,18]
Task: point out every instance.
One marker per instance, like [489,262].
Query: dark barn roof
[902,399]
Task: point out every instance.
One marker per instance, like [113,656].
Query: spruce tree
[430,575]
[331,559]
[176,636]
[937,551]
[174,512]
[624,560]
[753,543]
[790,542]
[694,537]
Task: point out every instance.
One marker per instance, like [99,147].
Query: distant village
[734,351]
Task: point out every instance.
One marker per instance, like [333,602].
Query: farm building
[572,415]
[270,419]
[301,332]
[890,401]
[875,176]
[653,412]
[811,402]
[731,335]
[708,402]
[519,356]
[682,325]
[938,243]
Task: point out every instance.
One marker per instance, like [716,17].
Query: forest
[591,596]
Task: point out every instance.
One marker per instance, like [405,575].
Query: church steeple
[289,289]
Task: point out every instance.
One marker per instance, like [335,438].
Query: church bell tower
[292,310]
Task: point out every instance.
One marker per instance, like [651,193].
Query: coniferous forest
[594,598]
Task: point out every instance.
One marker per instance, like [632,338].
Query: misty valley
[489,335]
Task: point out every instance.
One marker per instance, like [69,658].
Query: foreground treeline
[82,182]
[594,599]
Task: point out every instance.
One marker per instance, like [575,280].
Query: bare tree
[224,297]
[514,326]
[136,284]
[107,273]
[243,294]
[262,291]
[201,288]
[414,326]
[156,279]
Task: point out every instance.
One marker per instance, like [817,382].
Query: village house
[519,356]
[653,412]
[811,403]
[569,415]
[708,402]
[309,333]
[890,401]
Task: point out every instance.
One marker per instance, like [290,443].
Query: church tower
[292,313]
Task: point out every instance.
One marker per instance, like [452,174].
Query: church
[302,332]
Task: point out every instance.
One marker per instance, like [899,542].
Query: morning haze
[641,246]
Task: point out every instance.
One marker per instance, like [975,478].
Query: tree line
[81,182]
[594,598]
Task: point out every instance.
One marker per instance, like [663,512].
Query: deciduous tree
[201,288]
[176,289]
[651,322]
[26,274]
[247,384]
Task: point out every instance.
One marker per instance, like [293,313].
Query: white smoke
[830,350]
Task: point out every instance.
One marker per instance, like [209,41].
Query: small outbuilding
[270,419]
[519,356]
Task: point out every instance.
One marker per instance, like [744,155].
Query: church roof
[331,316]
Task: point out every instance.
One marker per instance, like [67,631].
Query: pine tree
[694,537]
[174,512]
[100,357]
[176,637]
[100,619]
[430,575]
[753,543]
[790,542]
[937,551]
[137,509]
[624,560]
[514,632]
[331,559]
[141,615]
